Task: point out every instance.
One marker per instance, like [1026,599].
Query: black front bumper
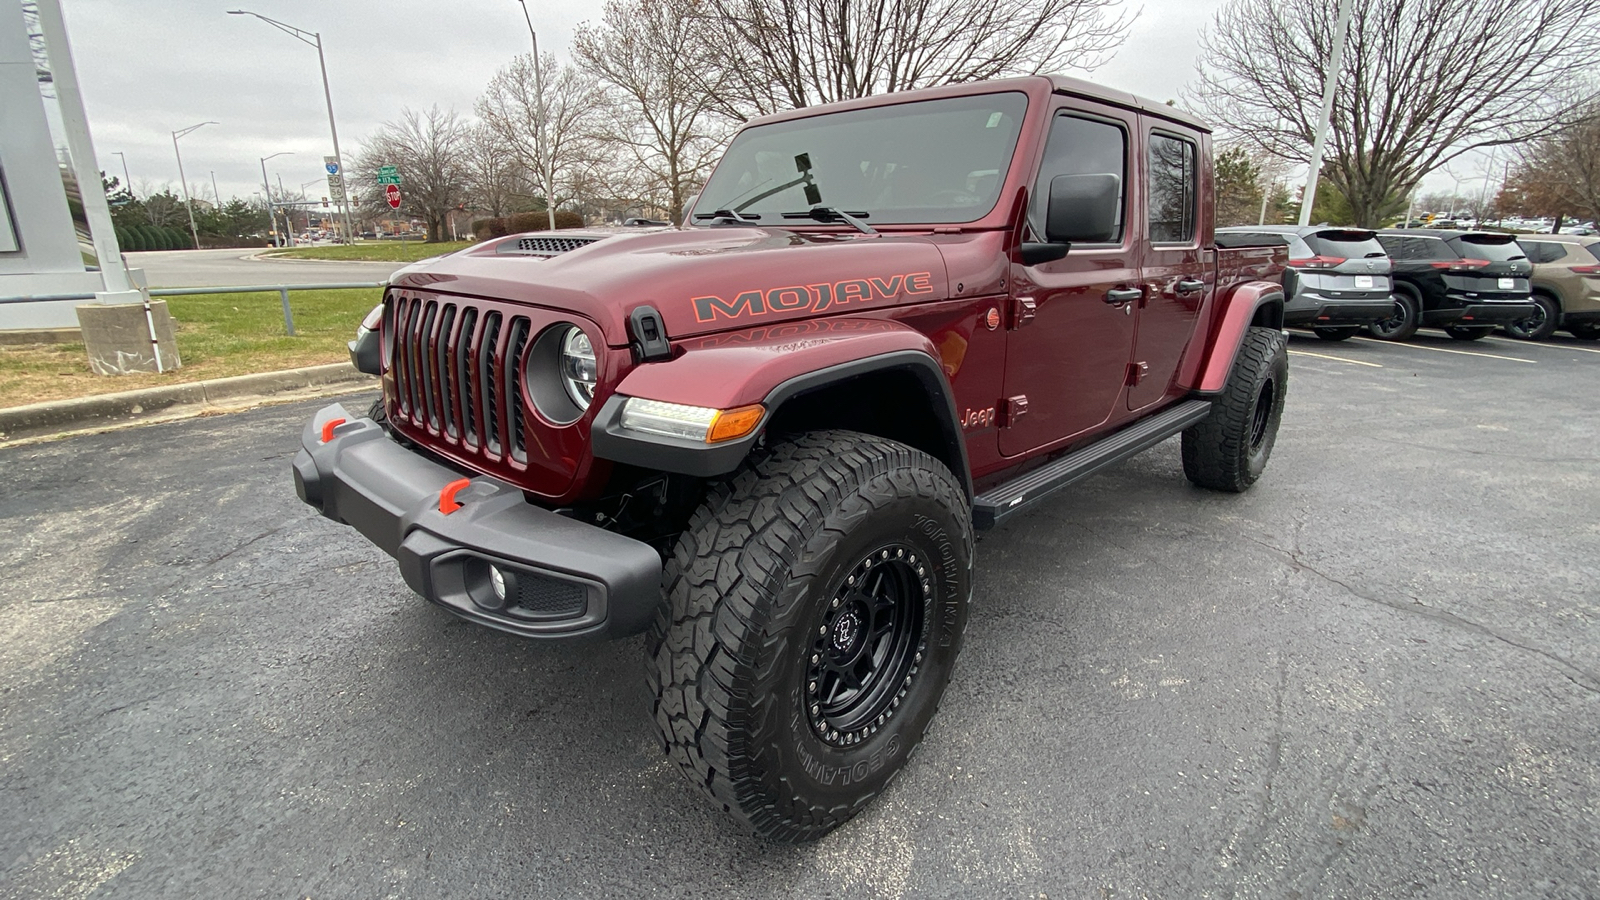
[562,578]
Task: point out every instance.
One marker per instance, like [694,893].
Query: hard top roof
[1060,84]
[1442,233]
[1289,229]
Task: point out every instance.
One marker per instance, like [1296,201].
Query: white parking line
[1443,350]
[1353,362]
[1538,344]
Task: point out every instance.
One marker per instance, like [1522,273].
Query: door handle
[1117,296]
[1189,287]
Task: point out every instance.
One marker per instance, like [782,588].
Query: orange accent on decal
[731,424]
[328,427]
[447,497]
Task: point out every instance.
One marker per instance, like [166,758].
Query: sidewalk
[108,411]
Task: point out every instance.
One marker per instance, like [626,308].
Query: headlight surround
[580,371]
[561,373]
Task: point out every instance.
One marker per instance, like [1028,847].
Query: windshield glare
[934,161]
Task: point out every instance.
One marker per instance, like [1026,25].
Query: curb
[194,398]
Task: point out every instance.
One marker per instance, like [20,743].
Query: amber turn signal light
[732,424]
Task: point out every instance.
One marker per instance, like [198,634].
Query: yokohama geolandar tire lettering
[814,612]
[1228,450]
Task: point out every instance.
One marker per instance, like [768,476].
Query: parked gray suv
[1337,280]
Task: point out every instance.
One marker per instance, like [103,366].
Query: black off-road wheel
[815,606]
[1468,332]
[1228,449]
[1403,324]
[1539,326]
[1337,333]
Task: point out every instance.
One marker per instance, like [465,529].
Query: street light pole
[1328,85]
[288,232]
[127,180]
[538,122]
[315,40]
[184,183]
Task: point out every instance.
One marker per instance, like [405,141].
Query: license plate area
[1364,282]
[1508,284]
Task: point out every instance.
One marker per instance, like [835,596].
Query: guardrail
[282,290]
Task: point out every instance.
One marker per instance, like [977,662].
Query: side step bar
[1002,501]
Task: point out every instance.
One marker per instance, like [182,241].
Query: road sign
[392,194]
[336,185]
[388,175]
[331,163]
[388,179]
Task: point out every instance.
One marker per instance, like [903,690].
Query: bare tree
[568,112]
[1558,176]
[1423,82]
[781,54]
[662,123]
[497,183]
[430,150]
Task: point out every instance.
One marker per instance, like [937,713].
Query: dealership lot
[1377,673]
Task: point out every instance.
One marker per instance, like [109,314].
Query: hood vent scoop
[544,246]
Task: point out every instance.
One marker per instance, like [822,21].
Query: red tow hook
[447,497]
[328,427]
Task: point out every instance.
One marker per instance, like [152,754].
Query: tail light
[1317,262]
[1586,270]
[1461,265]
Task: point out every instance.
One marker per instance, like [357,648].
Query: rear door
[1179,273]
[1346,264]
[1492,267]
[1068,352]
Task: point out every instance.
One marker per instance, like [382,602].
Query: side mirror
[1082,209]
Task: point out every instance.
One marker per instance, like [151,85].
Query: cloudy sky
[149,67]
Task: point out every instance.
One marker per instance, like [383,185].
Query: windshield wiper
[830,214]
[729,217]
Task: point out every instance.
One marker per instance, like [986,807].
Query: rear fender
[779,366]
[1254,303]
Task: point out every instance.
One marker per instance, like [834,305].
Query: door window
[1081,146]
[1172,190]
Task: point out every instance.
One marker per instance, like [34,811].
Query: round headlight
[579,370]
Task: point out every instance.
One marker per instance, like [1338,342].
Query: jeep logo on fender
[815,297]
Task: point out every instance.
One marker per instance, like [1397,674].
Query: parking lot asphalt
[1375,674]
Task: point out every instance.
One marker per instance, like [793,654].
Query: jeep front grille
[457,370]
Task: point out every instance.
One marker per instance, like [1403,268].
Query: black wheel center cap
[846,633]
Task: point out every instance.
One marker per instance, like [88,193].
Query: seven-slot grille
[457,371]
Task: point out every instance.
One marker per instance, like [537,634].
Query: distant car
[1337,278]
[1566,287]
[1466,282]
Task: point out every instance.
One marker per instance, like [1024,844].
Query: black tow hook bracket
[649,334]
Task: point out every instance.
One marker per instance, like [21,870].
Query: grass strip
[218,335]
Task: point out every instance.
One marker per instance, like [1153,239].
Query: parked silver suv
[1337,280]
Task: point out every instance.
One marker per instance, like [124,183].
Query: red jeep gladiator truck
[765,438]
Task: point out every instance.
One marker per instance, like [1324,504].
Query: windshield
[931,161]
[1493,248]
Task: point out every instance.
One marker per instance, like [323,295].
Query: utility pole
[314,39]
[538,123]
[215,194]
[188,202]
[1329,83]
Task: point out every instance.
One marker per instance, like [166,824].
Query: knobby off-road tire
[831,547]
[1228,449]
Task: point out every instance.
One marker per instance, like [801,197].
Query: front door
[1072,336]
[1179,277]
